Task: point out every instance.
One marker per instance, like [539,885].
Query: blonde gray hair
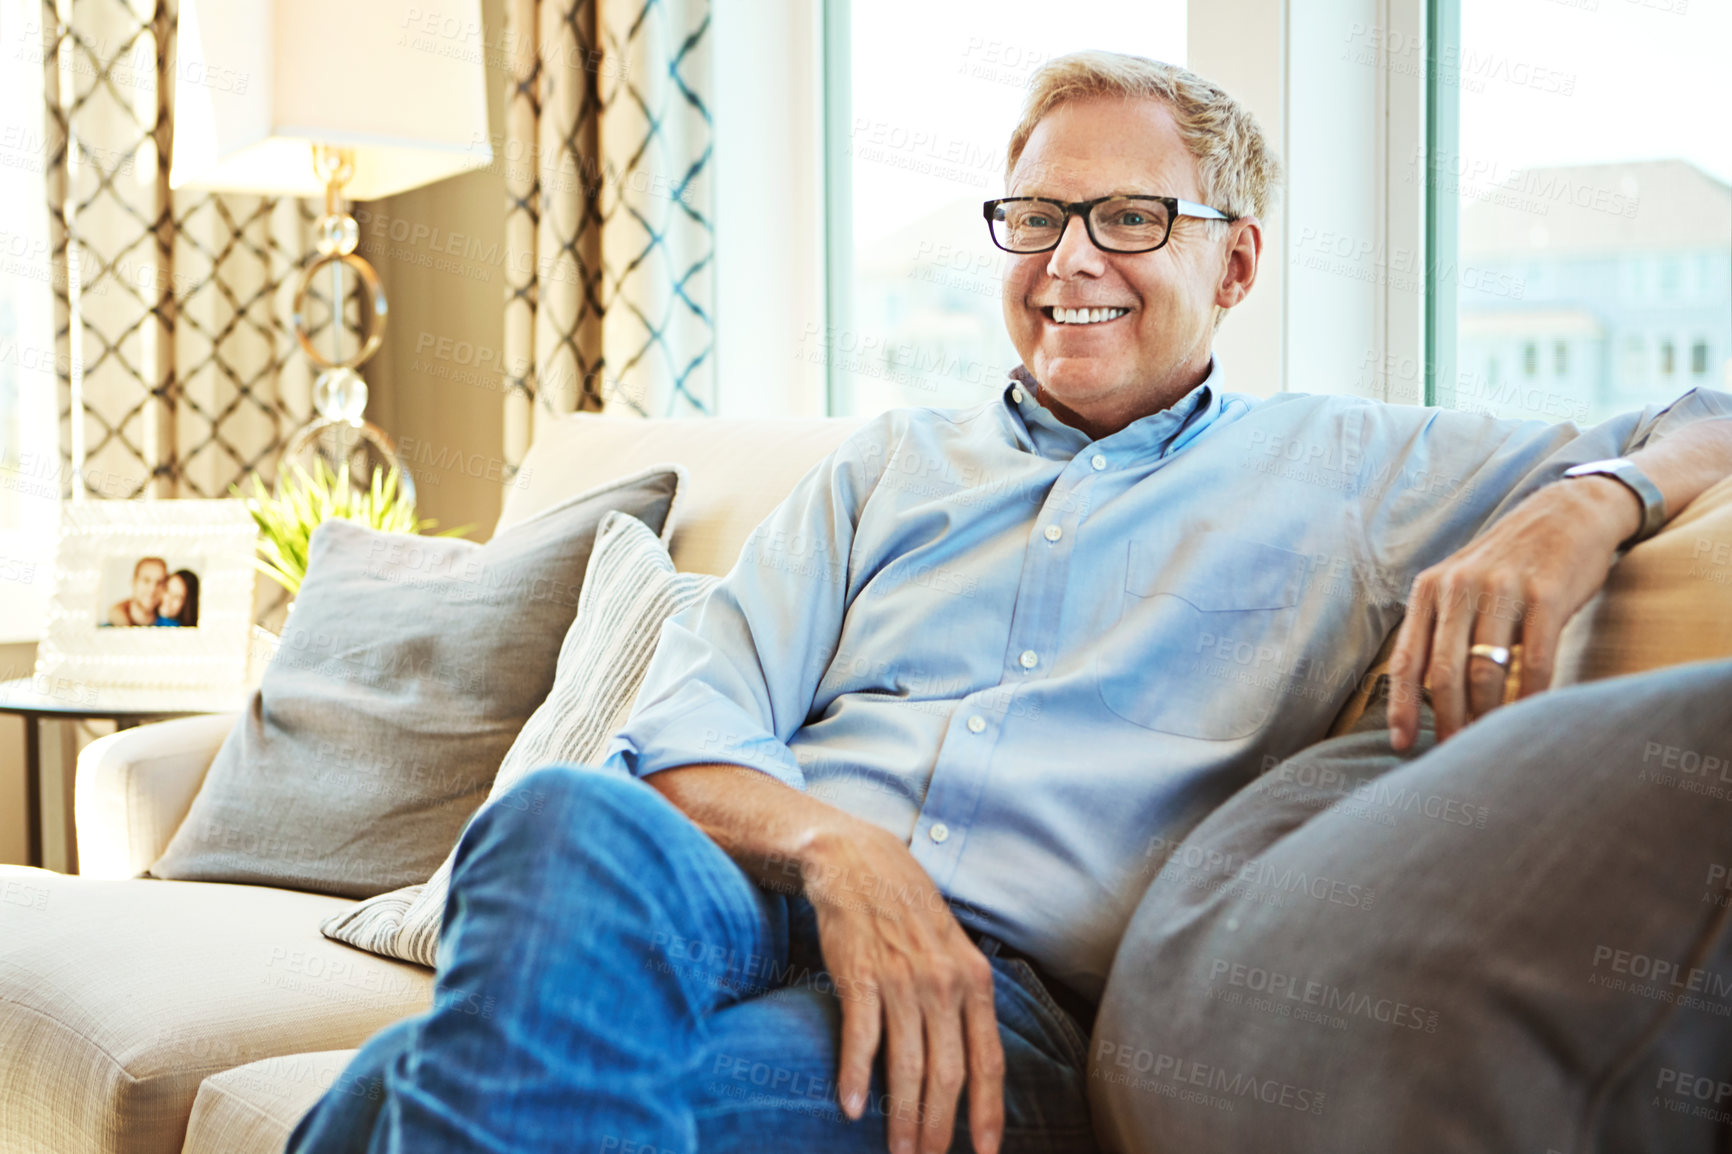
[1237,171]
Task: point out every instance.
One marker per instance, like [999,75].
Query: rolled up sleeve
[733,677]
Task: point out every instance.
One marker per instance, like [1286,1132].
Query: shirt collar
[1155,435]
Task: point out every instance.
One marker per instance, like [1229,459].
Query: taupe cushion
[253,1109]
[405,671]
[117,998]
[1668,602]
[630,589]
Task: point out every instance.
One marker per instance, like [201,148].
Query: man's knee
[563,807]
[559,788]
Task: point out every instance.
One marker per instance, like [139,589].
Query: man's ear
[1239,272]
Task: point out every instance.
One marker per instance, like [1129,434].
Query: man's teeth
[1086,316]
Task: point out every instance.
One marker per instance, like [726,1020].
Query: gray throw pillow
[630,589]
[405,671]
[1514,941]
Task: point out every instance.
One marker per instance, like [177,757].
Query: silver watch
[1648,493]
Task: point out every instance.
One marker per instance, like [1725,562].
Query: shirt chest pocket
[1199,646]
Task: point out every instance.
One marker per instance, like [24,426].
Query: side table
[37,701]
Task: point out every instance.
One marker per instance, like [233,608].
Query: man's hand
[913,981]
[1525,578]
[1517,585]
[906,974]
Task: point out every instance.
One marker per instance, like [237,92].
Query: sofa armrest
[134,788]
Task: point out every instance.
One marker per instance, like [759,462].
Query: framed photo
[151,595]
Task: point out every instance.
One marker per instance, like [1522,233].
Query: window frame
[1442,213]
[838,82]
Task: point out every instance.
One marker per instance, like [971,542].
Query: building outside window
[1614,222]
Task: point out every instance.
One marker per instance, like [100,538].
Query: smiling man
[139,608]
[1112,339]
[854,874]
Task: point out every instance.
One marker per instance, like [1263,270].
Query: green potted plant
[303,501]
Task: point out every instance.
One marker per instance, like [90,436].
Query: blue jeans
[609,980]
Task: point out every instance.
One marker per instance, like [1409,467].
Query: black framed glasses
[1122,224]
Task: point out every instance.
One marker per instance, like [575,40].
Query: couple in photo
[158,596]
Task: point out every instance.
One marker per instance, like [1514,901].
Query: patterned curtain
[609,228]
[178,374]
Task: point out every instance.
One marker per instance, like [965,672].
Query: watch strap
[1630,474]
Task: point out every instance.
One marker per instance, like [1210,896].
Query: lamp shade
[258,83]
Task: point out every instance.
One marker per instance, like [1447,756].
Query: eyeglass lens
[1124,223]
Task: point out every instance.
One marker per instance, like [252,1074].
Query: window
[916,319]
[29,456]
[1619,217]
[1635,371]
[1530,359]
[27,376]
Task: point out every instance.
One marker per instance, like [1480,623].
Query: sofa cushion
[630,589]
[739,470]
[404,674]
[253,1109]
[112,1011]
[1668,602]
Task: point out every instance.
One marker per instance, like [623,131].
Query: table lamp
[303,97]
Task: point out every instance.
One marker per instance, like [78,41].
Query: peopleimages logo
[1322,995]
[1119,1063]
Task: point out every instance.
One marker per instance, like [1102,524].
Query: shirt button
[1016,395]
[1099,462]
[938,832]
[1053,532]
[976,723]
[1028,659]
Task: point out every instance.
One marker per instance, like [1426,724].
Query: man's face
[147,586]
[1116,370]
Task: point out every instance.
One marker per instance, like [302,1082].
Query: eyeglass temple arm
[1191,208]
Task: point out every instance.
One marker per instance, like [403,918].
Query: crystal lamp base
[362,445]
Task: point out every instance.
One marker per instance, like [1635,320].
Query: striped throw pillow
[630,589]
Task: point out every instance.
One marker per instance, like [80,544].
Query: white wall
[769,193]
[1243,48]
[1334,257]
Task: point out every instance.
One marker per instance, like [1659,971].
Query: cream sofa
[149,1017]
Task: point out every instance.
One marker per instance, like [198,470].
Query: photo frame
[151,595]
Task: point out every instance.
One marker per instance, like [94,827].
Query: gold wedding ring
[1498,655]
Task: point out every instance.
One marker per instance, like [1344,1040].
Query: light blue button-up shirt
[1036,657]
